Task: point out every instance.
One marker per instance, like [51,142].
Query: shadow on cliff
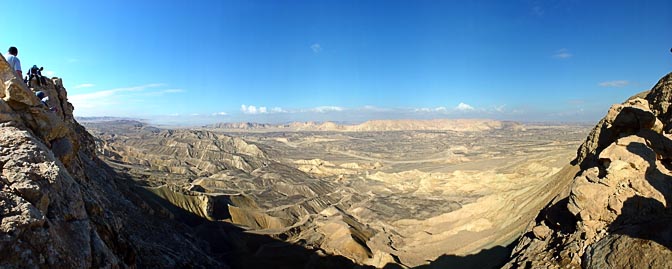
[494,257]
[644,217]
[234,246]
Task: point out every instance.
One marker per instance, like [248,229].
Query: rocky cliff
[615,212]
[61,207]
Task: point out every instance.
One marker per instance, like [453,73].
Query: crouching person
[45,99]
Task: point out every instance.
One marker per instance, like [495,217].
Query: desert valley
[378,193]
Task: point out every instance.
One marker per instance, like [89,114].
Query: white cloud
[248,109]
[278,110]
[95,98]
[113,102]
[216,114]
[464,107]
[72,60]
[49,73]
[614,83]
[85,85]
[442,109]
[162,92]
[253,110]
[562,54]
[316,48]
[500,108]
[325,109]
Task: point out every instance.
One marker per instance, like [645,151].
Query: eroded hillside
[377,198]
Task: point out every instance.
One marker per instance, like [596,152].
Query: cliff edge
[616,211]
[61,207]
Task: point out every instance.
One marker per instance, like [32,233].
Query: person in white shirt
[13,61]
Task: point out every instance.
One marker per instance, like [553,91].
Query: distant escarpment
[615,213]
[458,125]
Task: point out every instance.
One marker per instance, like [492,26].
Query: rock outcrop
[616,211]
[61,207]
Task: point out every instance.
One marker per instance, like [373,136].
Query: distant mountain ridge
[377,125]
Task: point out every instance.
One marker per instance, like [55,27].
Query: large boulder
[621,120]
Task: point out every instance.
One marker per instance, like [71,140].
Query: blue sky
[277,61]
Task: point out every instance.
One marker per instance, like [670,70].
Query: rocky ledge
[616,211]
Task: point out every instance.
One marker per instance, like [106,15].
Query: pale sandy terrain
[382,197]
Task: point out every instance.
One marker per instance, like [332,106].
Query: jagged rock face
[44,220]
[661,99]
[616,212]
[61,207]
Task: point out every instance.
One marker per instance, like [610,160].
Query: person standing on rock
[13,60]
[37,74]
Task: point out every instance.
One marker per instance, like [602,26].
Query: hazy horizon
[346,61]
[195,121]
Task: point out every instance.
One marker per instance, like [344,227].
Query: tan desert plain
[402,192]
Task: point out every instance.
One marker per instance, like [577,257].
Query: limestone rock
[617,212]
[541,232]
[17,94]
[61,207]
[620,251]
[621,120]
[660,98]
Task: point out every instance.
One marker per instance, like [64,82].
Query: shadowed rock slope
[61,207]
[616,211]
